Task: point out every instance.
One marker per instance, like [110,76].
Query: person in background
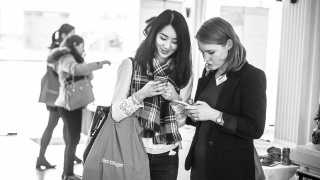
[66,30]
[165,52]
[68,62]
[229,109]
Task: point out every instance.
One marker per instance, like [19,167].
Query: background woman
[68,62]
[166,53]
[65,31]
[230,108]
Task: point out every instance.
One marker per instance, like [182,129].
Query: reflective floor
[18,159]
[18,156]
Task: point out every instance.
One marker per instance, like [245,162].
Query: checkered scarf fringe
[157,116]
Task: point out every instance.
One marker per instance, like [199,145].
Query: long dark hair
[182,57]
[70,42]
[218,31]
[56,37]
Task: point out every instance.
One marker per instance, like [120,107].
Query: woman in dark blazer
[230,108]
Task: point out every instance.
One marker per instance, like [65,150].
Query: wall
[152,8]
[298,79]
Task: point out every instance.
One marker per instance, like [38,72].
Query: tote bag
[49,87]
[118,152]
[78,94]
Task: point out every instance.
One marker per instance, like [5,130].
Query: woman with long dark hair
[164,54]
[69,63]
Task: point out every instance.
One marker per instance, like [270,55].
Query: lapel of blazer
[229,88]
[202,83]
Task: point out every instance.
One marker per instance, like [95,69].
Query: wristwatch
[219,119]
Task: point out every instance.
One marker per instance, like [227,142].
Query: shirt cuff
[129,106]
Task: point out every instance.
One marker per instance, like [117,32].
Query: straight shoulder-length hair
[218,31]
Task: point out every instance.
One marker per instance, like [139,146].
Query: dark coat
[230,147]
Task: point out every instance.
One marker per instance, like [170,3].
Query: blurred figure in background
[68,62]
[66,30]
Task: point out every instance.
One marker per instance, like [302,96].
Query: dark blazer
[230,147]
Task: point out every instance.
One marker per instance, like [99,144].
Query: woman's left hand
[170,93]
[201,111]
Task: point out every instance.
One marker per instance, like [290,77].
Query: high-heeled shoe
[43,162]
[71,177]
[77,160]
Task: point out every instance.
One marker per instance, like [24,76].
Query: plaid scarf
[157,117]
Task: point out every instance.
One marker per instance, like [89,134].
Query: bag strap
[132,60]
[54,72]
[74,78]
[131,86]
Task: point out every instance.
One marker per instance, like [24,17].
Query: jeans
[72,122]
[164,166]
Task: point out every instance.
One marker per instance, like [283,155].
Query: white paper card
[221,79]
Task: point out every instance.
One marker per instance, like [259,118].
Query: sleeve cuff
[129,106]
[230,124]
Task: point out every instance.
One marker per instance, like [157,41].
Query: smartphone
[181,103]
[160,78]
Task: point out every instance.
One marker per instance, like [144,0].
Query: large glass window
[110,30]
[258,25]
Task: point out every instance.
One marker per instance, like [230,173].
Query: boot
[77,160]
[43,162]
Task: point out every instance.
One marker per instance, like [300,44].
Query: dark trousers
[164,166]
[72,122]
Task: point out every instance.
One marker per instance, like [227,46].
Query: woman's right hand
[105,62]
[152,88]
[201,111]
